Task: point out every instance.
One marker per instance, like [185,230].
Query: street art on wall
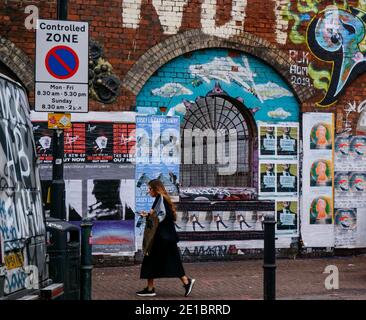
[21,212]
[335,34]
[176,86]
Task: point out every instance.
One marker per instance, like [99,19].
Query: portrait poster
[345,227]
[287,178]
[287,216]
[267,180]
[321,136]
[357,182]
[287,141]
[358,152]
[317,214]
[342,184]
[321,173]
[342,152]
[267,140]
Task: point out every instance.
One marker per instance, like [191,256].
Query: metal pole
[58,209]
[269,266]
[86,259]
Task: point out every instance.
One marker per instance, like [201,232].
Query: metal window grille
[217,113]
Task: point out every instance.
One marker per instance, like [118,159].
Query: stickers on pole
[59,121]
[62,55]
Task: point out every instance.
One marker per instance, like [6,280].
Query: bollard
[269,263]
[86,259]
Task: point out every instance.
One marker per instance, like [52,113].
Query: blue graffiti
[7,229]
[177,85]
[15,281]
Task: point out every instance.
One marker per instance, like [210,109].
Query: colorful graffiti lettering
[337,36]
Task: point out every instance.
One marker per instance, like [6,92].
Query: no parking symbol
[62,62]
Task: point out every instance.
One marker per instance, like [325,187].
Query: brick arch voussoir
[193,40]
[18,62]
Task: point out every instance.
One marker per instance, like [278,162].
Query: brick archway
[193,40]
[18,62]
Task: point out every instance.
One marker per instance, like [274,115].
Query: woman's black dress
[164,259]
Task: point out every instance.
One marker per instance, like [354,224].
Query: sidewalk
[240,280]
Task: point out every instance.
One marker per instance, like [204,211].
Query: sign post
[61,86]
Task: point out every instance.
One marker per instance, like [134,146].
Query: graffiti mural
[337,36]
[21,218]
[178,85]
[334,32]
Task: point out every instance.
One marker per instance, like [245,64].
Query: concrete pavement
[300,279]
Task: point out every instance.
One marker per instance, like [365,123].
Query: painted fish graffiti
[226,70]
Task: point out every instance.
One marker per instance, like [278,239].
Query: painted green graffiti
[317,76]
[305,8]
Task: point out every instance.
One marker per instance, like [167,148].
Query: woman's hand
[144,214]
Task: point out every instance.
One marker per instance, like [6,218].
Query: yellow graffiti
[294,35]
[311,6]
[362,4]
[317,76]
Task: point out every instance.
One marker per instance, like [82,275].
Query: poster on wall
[278,141]
[278,178]
[350,188]
[279,173]
[157,157]
[97,184]
[345,227]
[287,217]
[317,226]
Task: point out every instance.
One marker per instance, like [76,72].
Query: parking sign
[62,55]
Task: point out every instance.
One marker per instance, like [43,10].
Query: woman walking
[162,259]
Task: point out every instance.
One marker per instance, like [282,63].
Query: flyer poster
[358,183]
[123,142]
[75,143]
[287,216]
[321,136]
[345,227]
[267,141]
[321,173]
[99,142]
[342,184]
[342,148]
[317,214]
[358,148]
[321,210]
[267,182]
[157,157]
[43,140]
[287,178]
[287,141]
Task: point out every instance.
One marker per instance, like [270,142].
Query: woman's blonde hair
[157,186]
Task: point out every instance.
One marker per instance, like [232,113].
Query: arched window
[215,113]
